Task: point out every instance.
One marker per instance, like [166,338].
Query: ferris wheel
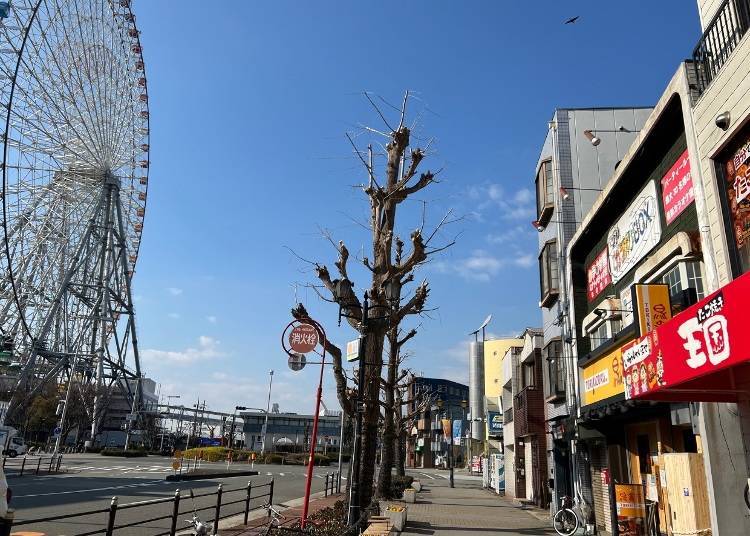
[75,162]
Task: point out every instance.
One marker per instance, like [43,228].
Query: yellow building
[494,350]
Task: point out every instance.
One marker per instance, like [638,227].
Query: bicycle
[566,521]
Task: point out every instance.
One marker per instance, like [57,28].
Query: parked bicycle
[566,521]
[199,527]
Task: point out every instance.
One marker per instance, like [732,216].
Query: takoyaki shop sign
[697,356]
[602,378]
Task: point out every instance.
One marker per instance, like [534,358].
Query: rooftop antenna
[481,328]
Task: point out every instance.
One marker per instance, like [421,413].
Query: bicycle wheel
[565,522]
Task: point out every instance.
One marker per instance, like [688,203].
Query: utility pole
[268,408]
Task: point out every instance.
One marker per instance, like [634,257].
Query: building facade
[580,152]
[494,352]
[427,444]
[289,432]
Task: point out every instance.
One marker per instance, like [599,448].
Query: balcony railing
[722,35]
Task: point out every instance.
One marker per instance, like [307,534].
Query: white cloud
[208,348]
[516,234]
[480,265]
[211,319]
[495,202]
[174,291]
[174,316]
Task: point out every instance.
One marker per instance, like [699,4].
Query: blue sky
[249,105]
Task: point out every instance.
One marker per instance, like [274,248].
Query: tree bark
[371,416]
[389,417]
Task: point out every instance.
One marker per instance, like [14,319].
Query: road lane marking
[72,491]
[428,476]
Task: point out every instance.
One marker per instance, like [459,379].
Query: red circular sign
[303,338]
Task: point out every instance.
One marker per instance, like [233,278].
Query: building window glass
[683,276]
[549,273]
[672,280]
[695,278]
[527,372]
[545,191]
[555,369]
[735,164]
[599,335]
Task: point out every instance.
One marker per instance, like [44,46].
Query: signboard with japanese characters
[495,422]
[652,305]
[597,275]
[603,378]
[631,509]
[677,188]
[635,234]
[708,337]
[737,175]
[303,338]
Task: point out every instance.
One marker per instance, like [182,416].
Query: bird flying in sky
[572,20]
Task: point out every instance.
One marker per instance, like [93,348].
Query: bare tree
[391,267]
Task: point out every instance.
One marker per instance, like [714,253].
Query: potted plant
[417,485]
[410,495]
[396,514]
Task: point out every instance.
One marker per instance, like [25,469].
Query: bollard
[247,499]
[59,461]
[51,463]
[38,464]
[111,518]
[218,508]
[326,487]
[6,523]
[23,464]
[175,513]
[270,492]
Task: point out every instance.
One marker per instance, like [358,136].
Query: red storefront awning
[700,355]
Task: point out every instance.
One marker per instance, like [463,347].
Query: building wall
[494,351]
[706,10]
[724,427]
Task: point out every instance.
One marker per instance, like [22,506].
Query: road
[90,481]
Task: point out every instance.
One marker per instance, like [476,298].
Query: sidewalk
[468,509]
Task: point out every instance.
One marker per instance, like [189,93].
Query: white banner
[635,234]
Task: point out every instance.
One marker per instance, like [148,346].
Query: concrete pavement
[467,509]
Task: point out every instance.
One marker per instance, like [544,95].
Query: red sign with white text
[677,188]
[598,275]
[709,337]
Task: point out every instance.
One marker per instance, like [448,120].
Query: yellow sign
[603,377]
[631,509]
[652,306]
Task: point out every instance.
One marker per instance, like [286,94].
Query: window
[545,192]
[442,389]
[527,372]
[599,335]
[555,369]
[549,273]
[682,276]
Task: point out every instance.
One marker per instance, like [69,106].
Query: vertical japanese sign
[677,188]
[651,303]
[457,431]
[597,275]
[635,234]
[737,169]
[710,336]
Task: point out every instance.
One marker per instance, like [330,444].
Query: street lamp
[268,408]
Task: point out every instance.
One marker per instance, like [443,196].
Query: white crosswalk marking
[282,474]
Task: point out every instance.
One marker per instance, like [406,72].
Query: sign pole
[314,438]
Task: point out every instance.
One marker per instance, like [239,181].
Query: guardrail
[31,465]
[109,521]
[333,483]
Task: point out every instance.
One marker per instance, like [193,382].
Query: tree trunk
[389,428]
[401,453]
[371,416]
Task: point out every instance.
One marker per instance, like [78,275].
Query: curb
[202,476]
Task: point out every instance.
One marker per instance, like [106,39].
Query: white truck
[12,444]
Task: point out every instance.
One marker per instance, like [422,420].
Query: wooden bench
[379,526]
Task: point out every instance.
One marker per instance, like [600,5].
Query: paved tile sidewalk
[468,509]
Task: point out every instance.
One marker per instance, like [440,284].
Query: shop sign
[652,305]
[603,378]
[495,422]
[635,234]
[677,188]
[597,275]
[738,190]
[631,509]
[710,336]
